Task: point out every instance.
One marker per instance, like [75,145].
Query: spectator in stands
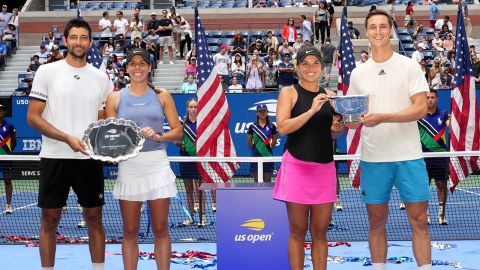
[55,55]
[261,4]
[296,46]
[136,12]
[191,68]
[185,34]
[435,73]
[468,26]
[151,48]
[165,36]
[272,41]
[152,27]
[235,87]
[440,22]
[437,42]
[390,139]
[420,32]
[190,86]
[120,25]
[238,45]
[321,19]
[328,51]
[4,18]
[449,44]
[42,54]
[274,56]
[475,67]
[306,31]
[8,142]
[255,75]
[271,76]
[138,43]
[275,3]
[112,71]
[425,69]
[391,10]
[223,62]
[433,13]
[354,33]
[107,47]
[285,49]
[49,40]
[331,12]
[10,34]
[259,46]
[105,25]
[34,65]
[418,53]
[136,26]
[123,42]
[190,54]
[289,32]
[3,57]
[118,51]
[148,176]
[224,84]
[409,15]
[238,68]
[363,58]
[14,19]
[372,8]
[262,138]
[286,69]
[447,77]
[444,31]
[175,31]
[122,79]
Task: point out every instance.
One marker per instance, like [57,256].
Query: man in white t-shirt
[105,25]
[391,153]
[222,61]
[441,22]
[120,25]
[417,55]
[66,97]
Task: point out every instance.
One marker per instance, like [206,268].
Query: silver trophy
[113,139]
[351,107]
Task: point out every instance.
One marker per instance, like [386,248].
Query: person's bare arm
[176,130]
[417,110]
[112,104]
[35,120]
[250,140]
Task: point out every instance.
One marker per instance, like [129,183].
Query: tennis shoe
[338,205]
[203,222]
[331,224]
[161,62]
[8,209]
[142,208]
[65,209]
[172,63]
[187,222]
[402,206]
[82,224]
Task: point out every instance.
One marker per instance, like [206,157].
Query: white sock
[425,267]
[379,266]
[47,268]
[98,266]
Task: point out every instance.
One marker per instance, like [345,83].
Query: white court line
[467,191]
[20,208]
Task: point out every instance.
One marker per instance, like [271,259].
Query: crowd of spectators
[8,33]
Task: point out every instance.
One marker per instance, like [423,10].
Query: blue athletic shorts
[409,177]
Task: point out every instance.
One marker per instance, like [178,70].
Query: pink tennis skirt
[305,182]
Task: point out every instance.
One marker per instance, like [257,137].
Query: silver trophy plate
[113,139]
[351,107]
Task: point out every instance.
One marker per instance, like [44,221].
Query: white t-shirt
[104,24]
[221,62]
[73,98]
[440,22]
[235,88]
[389,91]
[121,26]
[417,56]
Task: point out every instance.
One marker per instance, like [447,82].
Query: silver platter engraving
[113,139]
[351,107]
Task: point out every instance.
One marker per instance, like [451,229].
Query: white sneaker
[8,209]
[402,206]
[196,206]
[80,209]
[172,63]
[214,207]
[82,224]
[65,209]
[187,222]
[160,63]
[338,205]
[203,222]
[142,208]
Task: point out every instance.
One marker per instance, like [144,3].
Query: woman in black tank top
[305,114]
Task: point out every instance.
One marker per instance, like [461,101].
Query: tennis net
[350,223]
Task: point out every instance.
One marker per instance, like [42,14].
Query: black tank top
[313,141]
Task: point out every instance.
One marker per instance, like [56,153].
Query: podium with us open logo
[252,227]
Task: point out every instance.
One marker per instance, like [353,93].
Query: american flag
[464,131]
[213,135]
[346,66]
[93,57]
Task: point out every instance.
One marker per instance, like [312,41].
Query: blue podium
[252,227]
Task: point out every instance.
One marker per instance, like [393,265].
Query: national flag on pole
[213,135]
[347,64]
[93,57]
[464,130]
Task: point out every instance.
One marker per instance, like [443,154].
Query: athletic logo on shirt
[382,72]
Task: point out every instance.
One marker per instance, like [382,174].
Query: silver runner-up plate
[113,139]
[351,107]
